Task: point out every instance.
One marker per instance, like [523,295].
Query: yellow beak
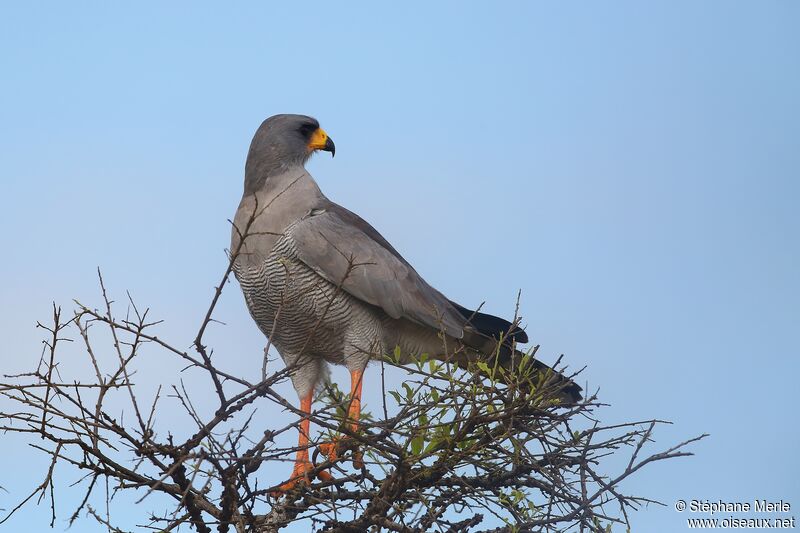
[321,141]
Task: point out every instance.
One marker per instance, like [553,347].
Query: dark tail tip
[566,390]
[569,392]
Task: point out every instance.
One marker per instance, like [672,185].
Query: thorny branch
[481,449]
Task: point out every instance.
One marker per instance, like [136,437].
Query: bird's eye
[307,129]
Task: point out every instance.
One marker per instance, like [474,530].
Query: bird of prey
[325,287]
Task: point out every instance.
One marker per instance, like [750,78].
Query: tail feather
[539,373]
[484,332]
[492,326]
[566,390]
[569,391]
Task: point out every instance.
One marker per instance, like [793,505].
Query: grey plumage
[296,269]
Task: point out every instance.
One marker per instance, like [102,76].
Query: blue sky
[642,158]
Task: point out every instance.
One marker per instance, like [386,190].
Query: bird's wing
[342,248]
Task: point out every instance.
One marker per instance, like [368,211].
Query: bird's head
[286,141]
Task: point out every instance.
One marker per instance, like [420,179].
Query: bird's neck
[261,175]
[293,187]
[265,213]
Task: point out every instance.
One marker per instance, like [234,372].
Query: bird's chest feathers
[263,217]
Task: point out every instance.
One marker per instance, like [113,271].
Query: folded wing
[345,250]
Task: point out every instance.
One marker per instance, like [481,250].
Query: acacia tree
[452,449]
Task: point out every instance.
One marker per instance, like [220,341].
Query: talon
[301,475]
[333,449]
[324,475]
[328,449]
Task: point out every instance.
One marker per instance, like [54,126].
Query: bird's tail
[541,375]
[493,341]
[522,370]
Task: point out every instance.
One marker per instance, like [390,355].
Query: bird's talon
[324,476]
[301,475]
[328,449]
[333,450]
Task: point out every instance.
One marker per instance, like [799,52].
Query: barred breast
[303,313]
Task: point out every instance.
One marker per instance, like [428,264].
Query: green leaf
[432,445]
[409,392]
[416,444]
[466,443]
[483,366]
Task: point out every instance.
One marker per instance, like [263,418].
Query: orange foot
[333,450]
[301,475]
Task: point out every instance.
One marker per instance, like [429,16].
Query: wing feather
[342,248]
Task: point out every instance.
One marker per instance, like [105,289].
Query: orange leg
[353,414]
[302,465]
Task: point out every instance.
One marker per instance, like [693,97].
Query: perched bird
[325,287]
